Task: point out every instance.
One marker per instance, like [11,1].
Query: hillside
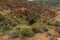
[20,20]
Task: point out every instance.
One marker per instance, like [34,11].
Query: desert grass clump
[13,34]
[26,31]
[36,27]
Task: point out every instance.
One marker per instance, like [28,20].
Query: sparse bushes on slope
[18,24]
[10,20]
[12,24]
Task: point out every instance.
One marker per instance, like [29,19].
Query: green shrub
[36,27]
[26,31]
[13,34]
